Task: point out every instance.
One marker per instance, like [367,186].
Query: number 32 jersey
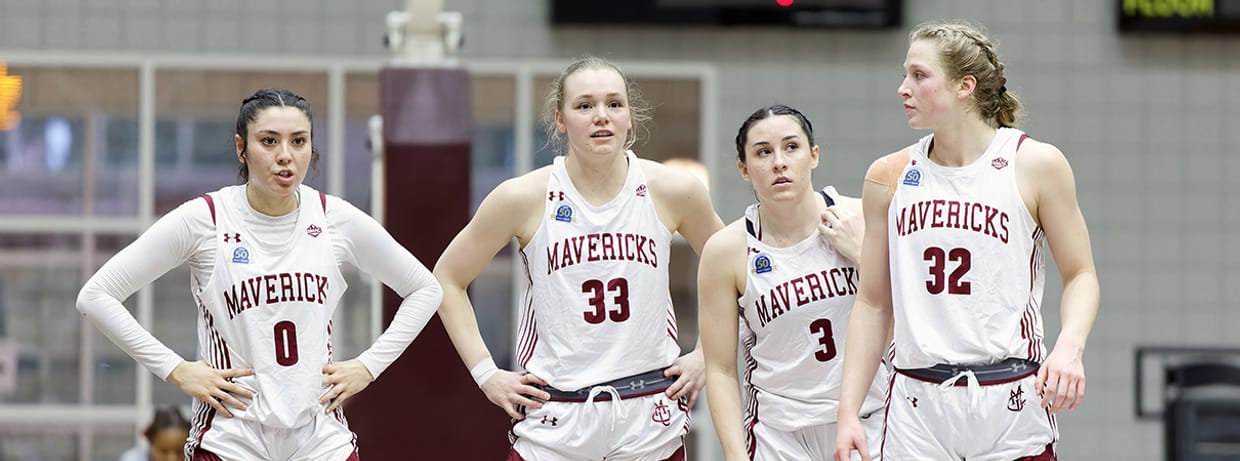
[967,267]
[597,304]
[795,309]
[268,305]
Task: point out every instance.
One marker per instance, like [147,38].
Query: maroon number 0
[823,327]
[598,291]
[286,343]
[938,264]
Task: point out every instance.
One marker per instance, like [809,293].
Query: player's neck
[788,223]
[597,178]
[271,205]
[961,141]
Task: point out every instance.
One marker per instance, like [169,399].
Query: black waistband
[1003,372]
[639,385]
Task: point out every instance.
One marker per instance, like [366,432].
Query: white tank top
[795,308]
[268,305]
[967,266]
[597,305]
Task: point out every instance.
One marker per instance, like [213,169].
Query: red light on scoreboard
[784,3]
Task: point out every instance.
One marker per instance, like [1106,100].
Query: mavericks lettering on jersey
[952,214]
[838,281]
[275,288]
[607,246]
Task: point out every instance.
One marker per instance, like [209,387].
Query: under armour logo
[1016,402]
[314,230]
[553,420]
[637,384]
[912,400]
[551,196]
[233,237]
[662,414]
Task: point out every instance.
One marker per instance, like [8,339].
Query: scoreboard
[860,14]
[1186,16]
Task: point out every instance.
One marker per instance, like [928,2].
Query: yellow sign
[10,93]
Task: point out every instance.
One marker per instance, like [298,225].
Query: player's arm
[1061,380]
[505,213]
[363,242]
[870,321]
[683,203]
[720,281]
[165,245]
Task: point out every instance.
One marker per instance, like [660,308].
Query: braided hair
[964,50]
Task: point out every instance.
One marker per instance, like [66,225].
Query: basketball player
[794,288]
[954,255]
[597,330]
[265,261]
[165,438]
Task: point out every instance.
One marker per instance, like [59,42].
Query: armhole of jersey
[323,200]
[1022,139]
[827,198]
[750,228]
[210,205]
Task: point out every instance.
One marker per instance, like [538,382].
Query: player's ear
[240,147]
[744,169]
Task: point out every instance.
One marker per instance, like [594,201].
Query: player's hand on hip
[690,373]
[850,436]
[1061,381]
[212,385]
[508,390]
[844,228]
[346,379]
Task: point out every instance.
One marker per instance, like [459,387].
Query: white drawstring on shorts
[974,388]
[615,399]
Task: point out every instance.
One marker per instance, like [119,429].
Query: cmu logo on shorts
[241,255]
[762,264]
[564,213]
[662,414]
[913,177]
[1016,401]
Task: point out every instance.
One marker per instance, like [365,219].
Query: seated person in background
[165,437]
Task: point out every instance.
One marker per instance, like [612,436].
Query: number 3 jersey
[268,305]
[795,309]
[597,305]
[966,260]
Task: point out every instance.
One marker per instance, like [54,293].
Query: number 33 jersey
[597,305]
[966,260]
[268,305]
[795,309]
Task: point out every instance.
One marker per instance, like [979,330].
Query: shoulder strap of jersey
[210,205]
[323,200]
[886,170]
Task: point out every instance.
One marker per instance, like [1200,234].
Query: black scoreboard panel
[1188,16]
[801,13]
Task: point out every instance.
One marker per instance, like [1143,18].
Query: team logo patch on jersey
[999,163]
[241,255]
[314,230]
[762,264]
[641,190]
[564,213]
[913,177]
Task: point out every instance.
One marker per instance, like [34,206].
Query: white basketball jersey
[795,308]
[268,305]
[966,261]
[597,305]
